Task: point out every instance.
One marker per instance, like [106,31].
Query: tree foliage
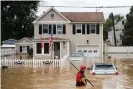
[128,33]
[17,18]
[109,23]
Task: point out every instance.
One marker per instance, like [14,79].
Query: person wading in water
[80,77]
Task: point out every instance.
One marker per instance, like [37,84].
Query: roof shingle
[84,16]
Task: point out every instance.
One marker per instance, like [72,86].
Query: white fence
[30,62]
[5,52]
[119,51]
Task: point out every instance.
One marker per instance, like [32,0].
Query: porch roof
[54,39]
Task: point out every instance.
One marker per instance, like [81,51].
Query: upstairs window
[45,29]
[59,28]
[52,15]
[93,28]
[78,28]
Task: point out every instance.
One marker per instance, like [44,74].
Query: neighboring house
[9,41]
[72,31]
[119,30]
[24,44]
[8,47]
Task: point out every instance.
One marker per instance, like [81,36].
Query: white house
[119,29]
[72,31]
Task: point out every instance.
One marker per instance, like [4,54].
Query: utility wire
[89,6]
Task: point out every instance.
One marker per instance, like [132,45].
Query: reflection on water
[54,78]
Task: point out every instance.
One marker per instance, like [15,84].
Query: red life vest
[79,76]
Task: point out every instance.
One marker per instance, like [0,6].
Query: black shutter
[74,30]
[20,48]
[88,29]
[28,48]
[83,28]
[54,28]
[97,30]
[64,29]
[40,29]
[50,28]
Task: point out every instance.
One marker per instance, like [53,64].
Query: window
[95,51]
[52,15]
[85,51]
[59,29]
[38,48]
[79,50]
[46,48]
[123,23]
[93,28]
[116,30]
[78,28]
[45,29]
[89,51]
[24,48]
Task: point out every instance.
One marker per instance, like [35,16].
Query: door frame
[60,50]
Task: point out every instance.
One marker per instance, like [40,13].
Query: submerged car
[104,69]
[77,56]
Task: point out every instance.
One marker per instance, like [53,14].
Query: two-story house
[72,31]
[119,30]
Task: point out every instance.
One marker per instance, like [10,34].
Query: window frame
[95,28]
[78,28]
[85,51]
[95,51]
[43,28]
[57,29]
[42,49]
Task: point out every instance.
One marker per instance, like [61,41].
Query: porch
[60,48]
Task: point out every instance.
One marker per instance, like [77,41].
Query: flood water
[48,77]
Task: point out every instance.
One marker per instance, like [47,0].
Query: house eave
[88,22]
[35,21]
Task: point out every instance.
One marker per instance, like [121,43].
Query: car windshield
[77,55]
[104,66]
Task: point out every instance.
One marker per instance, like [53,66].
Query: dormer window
[52,15]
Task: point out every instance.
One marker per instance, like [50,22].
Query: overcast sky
[106,11]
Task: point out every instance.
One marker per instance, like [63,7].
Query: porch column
[68,48]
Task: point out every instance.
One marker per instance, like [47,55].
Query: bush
[30,51]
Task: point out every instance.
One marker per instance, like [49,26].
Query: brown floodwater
[49,77]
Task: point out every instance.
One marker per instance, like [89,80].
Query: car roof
[103,64]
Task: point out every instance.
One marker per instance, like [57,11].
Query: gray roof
[9,41]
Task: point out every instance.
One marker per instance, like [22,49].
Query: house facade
[23,45]
[71,32]
[119,30]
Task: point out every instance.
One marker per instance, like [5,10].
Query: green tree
[17,18]
[128,33]
[109,23]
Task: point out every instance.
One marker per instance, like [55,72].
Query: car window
[104,67]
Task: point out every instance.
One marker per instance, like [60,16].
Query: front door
[56,50]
